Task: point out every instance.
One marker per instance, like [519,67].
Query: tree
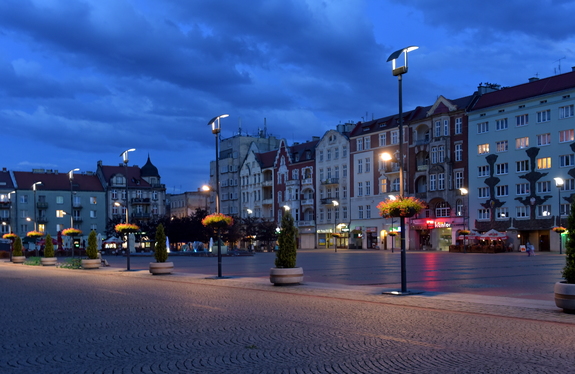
[49,247]
[17,251]
[286,254]
[92,249]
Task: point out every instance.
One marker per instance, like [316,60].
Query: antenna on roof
[559,65]
[240,125]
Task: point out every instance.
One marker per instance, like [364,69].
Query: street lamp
[124,156]
[71,178]
[398,72]
[216,129]
[335,205]
[464,192]
[559,182]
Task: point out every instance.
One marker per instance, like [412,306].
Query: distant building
[185,204]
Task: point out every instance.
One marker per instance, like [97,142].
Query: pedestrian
[530,249]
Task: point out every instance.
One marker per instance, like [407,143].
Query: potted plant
[49,258]
[161,266]
[17,255]
[92,262]
[565,291]
[285,271]
[72,232]
[401,207]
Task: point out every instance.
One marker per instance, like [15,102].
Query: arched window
[442,209]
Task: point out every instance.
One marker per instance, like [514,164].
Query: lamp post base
[400,293]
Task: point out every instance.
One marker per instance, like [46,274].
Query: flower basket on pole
[34,234]
[401,207]
[10,236]
[72,232]
[126,228]
[559,229]
[217,221]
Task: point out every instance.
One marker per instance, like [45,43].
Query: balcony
[77,219]
[267,201]
[42,205]
[308,181]
[269,183]
[328,201]
[307,202]
[140,201]
[5,204]
[292,182]
[422,167]
[330,181]
[306,224]
[140,215]
[5,220]
[77,205]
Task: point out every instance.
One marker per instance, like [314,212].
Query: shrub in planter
[17,247]
[287,251]
[565,291]
[92,249]
[49,247]
[161,252]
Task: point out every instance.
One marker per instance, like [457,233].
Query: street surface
[112,321]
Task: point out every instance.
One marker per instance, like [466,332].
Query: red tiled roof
[527,90]
[6,180]
[266,159]
[134,175]
[57,181]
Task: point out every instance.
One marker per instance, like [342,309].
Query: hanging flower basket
[71,232]
[10,236]
[559,229]
[217,220]
[392,234]
[126,228]
[402,207]
[464,232]
[34,234]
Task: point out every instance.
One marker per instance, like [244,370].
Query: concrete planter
[18,259]
[88,263]
[48,261]
[158,268]
[286,276]
[565,297]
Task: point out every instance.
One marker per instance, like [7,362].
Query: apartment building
[521,139]
[256,178]
[185,204]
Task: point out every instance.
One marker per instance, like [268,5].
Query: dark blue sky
[84,80]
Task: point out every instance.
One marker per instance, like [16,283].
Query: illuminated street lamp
[398,72]
[216,129]
[559,182]
[125,159]
[335,205]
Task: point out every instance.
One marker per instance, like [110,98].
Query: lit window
[483,148]
[544,139]
[521,143]
[566,136]
[502,146]
[544,163]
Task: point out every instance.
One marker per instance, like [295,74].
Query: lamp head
[395,55]
[463,191]
[559,182]
[215,123]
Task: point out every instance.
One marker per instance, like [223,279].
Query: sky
[81,81]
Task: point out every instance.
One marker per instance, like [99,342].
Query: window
[336,153]
[321,155]
[395,185]
[344,151]
[336,171]
[459,152]
[544,139]
[60,213]
[459,207]
[522,120]
[92,214]
[441,181]
[382,139]
[522,166]
[394,137]
[482,127]
[367,188]
[501,191]
[321,174]
[383,186]
[344,212]
[566,136]
[432,182]
[483,192]
[521,143]
[544,163]
[502,213]
[543,210]
[442,209]
[502,146]
[295,174]
[344,170]
[360,166]
[437,129]
[565,209]
[344,192]
[566,111]
[522,188]
[483,148]
[328,154]
[568,185]
[359,144]
[543,187]
[458,126]
[502,168]
[434,155]
[483,214]
[544,116]
[24,199]
[368,211]
[367,142]
[367,165]
[360,212]
[59,199]
[521,211]
[501,124]
[441,153]
[359,188]
[483,171]
[566,160]
[328,172]
[446,127]
[458,179]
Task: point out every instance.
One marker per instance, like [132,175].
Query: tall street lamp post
[464,192]
[35,209]
[216,129]
[335,205]
[559,182]
[398,72]
[71,178]
[124,156]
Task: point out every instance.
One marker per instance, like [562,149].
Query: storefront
[371,237]
[436,233]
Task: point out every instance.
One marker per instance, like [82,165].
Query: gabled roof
[134,176]
[527,90]
[266,159]
[55,181]
[6,181]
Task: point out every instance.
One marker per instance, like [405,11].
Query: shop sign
[371,229]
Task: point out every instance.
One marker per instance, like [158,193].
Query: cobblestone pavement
[110,321]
